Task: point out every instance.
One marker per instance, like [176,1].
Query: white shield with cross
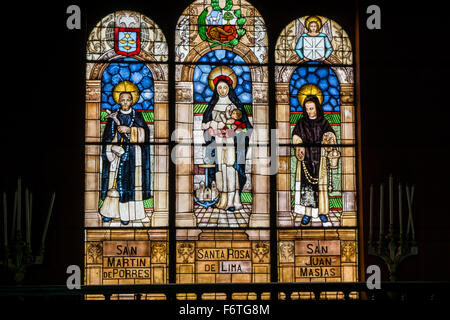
[314,47]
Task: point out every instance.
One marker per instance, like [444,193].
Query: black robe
[311,132]
[241,139]
[126,172]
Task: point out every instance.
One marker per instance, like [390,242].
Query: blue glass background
[202,91]
[321,76]
[138,73]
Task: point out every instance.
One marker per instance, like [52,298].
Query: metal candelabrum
[18,255]
[394,246]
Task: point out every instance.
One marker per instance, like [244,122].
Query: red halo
[222,77]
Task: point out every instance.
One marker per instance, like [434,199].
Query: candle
[400,217]
[410,195]
[381,210]
[391,202]
[5,221]
[412,221]
[408,224]
[371,213]
[27,215]
[50,208]
[31,210]
[14,218]
[19,204]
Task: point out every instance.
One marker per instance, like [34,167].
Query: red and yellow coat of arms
[127,41]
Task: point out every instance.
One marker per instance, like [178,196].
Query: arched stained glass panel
[222,130]
[126,158]
[316,186]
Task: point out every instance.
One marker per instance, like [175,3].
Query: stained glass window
[127,157]
[316,183]
[221,151]
[222,134]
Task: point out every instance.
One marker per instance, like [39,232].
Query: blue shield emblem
[127,41]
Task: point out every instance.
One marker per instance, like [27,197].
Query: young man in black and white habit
[311,132]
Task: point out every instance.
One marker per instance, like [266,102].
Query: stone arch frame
[100,43]
[94,72]
[345,74]
[185,216]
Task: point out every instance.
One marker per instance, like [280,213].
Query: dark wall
[404,122]
[404,114]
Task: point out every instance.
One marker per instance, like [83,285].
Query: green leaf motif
[215,4]
[241,21]
[240,32]
[228,5]
[233,42]
[202,25]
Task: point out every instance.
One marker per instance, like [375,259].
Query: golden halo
[309,90]
[126,86]
[222,71]
[313,19]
